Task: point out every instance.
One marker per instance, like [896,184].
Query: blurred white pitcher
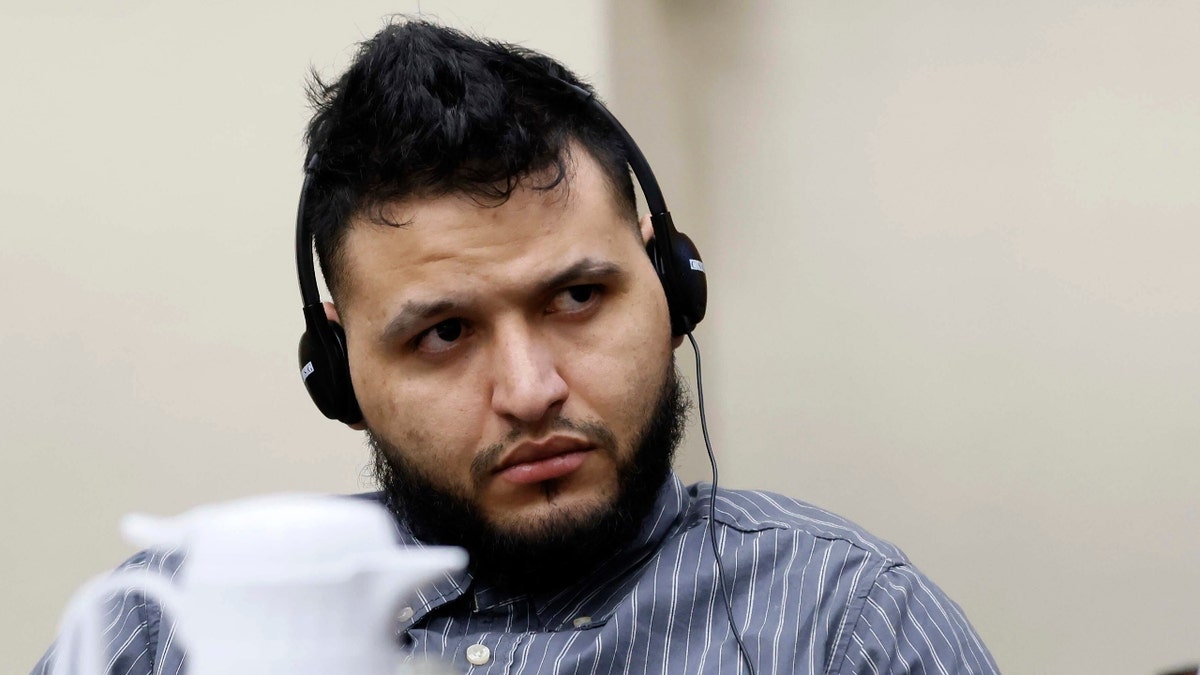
[297,584]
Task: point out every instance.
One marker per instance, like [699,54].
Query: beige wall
[953,294]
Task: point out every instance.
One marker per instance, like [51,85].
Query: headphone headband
[637,161]
[305,268]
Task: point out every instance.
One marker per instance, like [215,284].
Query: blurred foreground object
[294,584]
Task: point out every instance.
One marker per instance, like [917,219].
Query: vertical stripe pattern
[812,593]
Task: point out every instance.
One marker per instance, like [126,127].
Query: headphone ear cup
[690,282]
[681,272]
[325,369]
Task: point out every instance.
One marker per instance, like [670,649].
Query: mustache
[596,433]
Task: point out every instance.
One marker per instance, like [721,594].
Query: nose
[527,385]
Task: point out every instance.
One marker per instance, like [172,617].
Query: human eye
[575,299]
[441,337]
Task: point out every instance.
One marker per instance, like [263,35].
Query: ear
[331,313]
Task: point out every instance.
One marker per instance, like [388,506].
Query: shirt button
[477,655]
[582,621]
[405,614]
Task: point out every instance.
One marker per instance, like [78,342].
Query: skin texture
[462,351]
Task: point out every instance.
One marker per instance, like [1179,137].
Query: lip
[537,451]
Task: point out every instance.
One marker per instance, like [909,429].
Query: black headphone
[325,366]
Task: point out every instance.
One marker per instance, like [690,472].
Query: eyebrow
[586,268]
[413,313]
[416,312]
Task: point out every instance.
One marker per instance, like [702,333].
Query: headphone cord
[712,512]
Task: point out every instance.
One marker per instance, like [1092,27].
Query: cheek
[436,427]
[620,366]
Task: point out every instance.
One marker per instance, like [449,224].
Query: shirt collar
[598,595]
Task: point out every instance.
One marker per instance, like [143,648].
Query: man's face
[512,356]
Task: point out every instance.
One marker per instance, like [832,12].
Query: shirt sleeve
[908,625]
[133,637]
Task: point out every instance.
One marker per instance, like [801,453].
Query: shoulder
[166,563]
[133,622]
[758,511]
[886,612]
[907,619]
[148,641]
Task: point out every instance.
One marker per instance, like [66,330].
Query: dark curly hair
[426,110]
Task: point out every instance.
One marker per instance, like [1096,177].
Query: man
[510,357]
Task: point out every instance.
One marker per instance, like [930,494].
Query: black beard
[555,552]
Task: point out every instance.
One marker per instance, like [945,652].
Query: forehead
[456,241]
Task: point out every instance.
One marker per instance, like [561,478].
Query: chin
[553,508]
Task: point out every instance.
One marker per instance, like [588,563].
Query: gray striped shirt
[812,593]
